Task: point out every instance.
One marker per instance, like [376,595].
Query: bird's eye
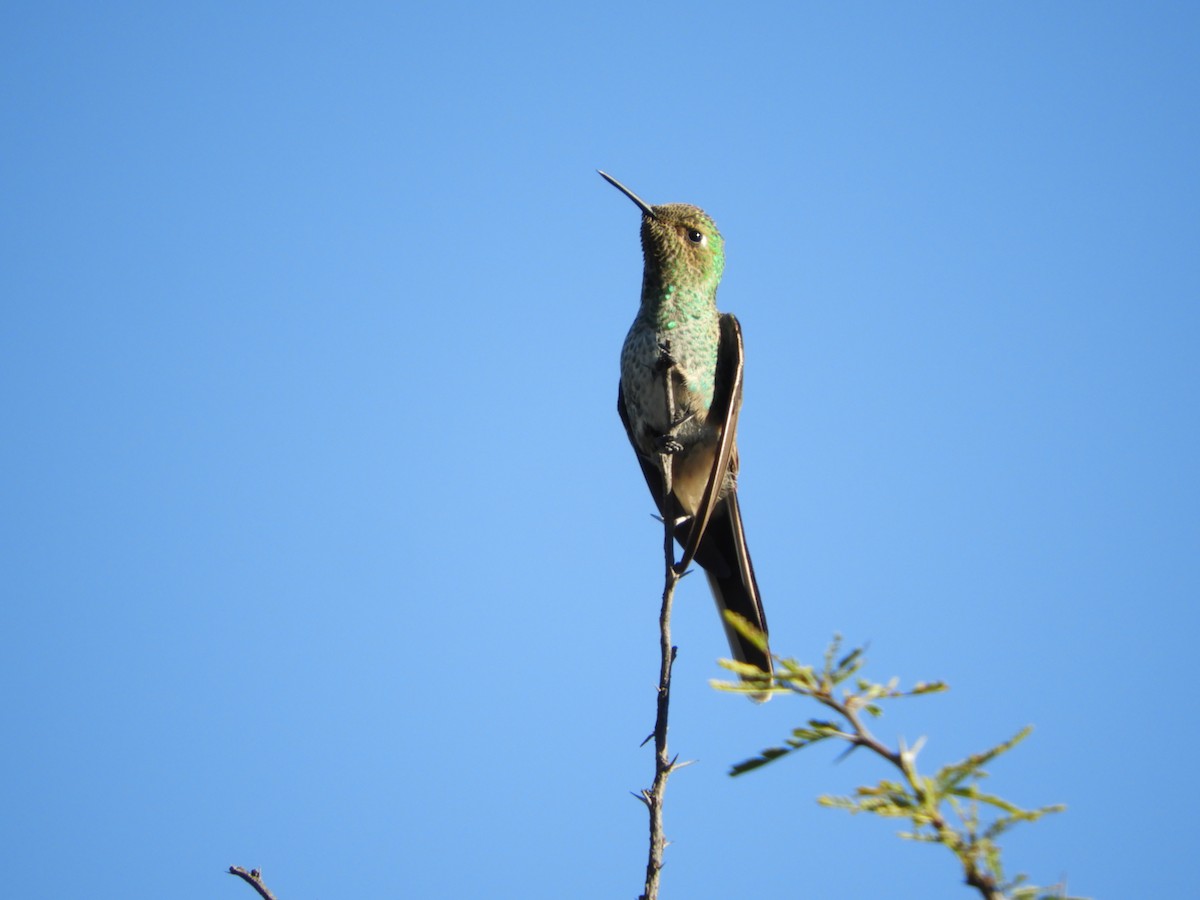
[695,236]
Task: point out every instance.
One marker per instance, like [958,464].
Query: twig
[947,834]
[663,764]
[253,877]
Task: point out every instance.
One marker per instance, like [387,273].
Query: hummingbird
[678,333]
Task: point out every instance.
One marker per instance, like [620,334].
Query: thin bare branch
[253,877]
[663,764]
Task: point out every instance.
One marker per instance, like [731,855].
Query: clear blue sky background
[323,547]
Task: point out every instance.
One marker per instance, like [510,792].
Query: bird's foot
[668,444]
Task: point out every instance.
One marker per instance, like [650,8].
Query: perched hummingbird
[679,330]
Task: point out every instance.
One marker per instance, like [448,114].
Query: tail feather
[725,558]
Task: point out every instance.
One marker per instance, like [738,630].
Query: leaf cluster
[947,807]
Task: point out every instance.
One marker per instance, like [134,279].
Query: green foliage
[947,808]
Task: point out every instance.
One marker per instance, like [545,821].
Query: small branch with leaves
[944,808]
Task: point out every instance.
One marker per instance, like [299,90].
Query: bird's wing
[726,404]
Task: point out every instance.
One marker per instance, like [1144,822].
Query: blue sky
[325,552]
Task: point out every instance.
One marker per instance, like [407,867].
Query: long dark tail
[726,560]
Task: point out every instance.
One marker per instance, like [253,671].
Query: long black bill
[642,204]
